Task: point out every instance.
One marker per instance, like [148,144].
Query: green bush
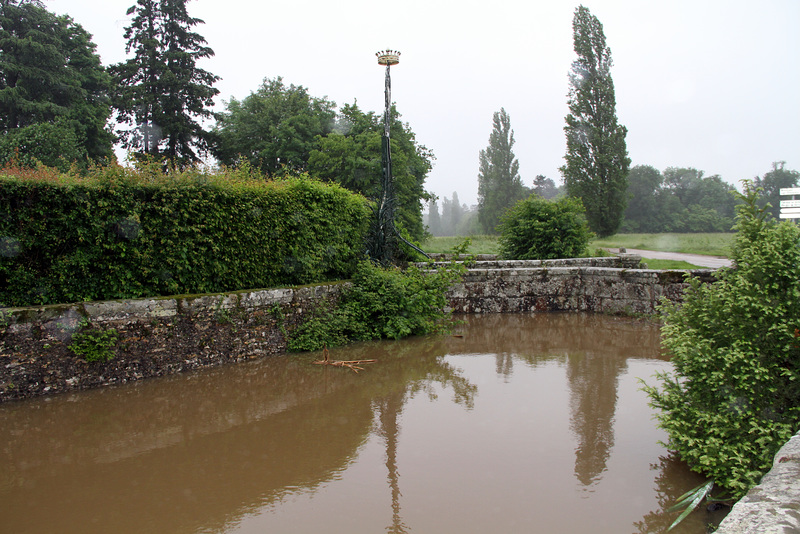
[129,233]
[383,302]
[733,398]
[539,229]
[93,344]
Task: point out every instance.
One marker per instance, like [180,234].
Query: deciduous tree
[772,183]
[351,156]
[274,129]
[596,168]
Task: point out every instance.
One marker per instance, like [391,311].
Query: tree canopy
[596,168]
[678,200]
[351,156]
[275,128]
[772,183]
[54,93]
[162,96]
[499,183]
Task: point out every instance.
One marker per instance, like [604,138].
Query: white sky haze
[709,84]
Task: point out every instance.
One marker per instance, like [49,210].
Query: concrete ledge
[772,507]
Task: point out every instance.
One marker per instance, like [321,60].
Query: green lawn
[707,244]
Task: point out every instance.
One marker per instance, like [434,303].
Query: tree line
[57,103]
[597,167]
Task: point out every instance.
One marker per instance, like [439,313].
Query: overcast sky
[709,84]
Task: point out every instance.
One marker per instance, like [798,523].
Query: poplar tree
[162,95]
[499,183]
[596,169]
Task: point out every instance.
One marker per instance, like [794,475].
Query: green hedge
[129,233]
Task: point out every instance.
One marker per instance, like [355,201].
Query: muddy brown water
[518,423]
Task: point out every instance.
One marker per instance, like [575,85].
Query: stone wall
[600,285]
[772,507]
[161,336]
[156,337]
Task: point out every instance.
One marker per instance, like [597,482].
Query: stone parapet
[524,288]
[155,336]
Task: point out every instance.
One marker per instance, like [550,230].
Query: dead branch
[355,365]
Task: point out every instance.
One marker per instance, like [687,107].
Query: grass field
[707,244]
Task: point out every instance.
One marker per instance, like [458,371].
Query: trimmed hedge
[130,233]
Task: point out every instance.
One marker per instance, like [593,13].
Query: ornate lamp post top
[388,57]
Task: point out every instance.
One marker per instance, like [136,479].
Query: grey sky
[709,84]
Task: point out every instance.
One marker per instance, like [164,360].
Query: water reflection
[470,434]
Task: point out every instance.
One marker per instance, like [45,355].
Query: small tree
[539,229]
[596,169]
[499,183]
[734,397]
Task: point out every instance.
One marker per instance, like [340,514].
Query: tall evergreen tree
[597,162]
[54,93]
[161,92]
[434,219]
[499,183]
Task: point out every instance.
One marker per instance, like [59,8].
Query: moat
[514,423]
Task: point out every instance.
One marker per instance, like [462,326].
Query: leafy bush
[383,302]
[129,233]
[539,229]
[734,397]
[94,345]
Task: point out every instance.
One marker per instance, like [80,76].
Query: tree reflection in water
[277,442]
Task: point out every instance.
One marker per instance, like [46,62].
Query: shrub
[93,344]
[539,229]
[383,302]
[131,233]
[733,398]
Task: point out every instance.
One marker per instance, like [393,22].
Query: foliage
[351,157]
[456,219]
[539,229]
[54,145]
[772,183]
[679,200]
[734,396]
[690,500]
[160,91]
[499,183]
[94,344]
[545,187]
[127,233]
[383,302]
[274,129]
[51,85]
[596,168]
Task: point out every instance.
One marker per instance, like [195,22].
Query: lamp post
[383,244]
